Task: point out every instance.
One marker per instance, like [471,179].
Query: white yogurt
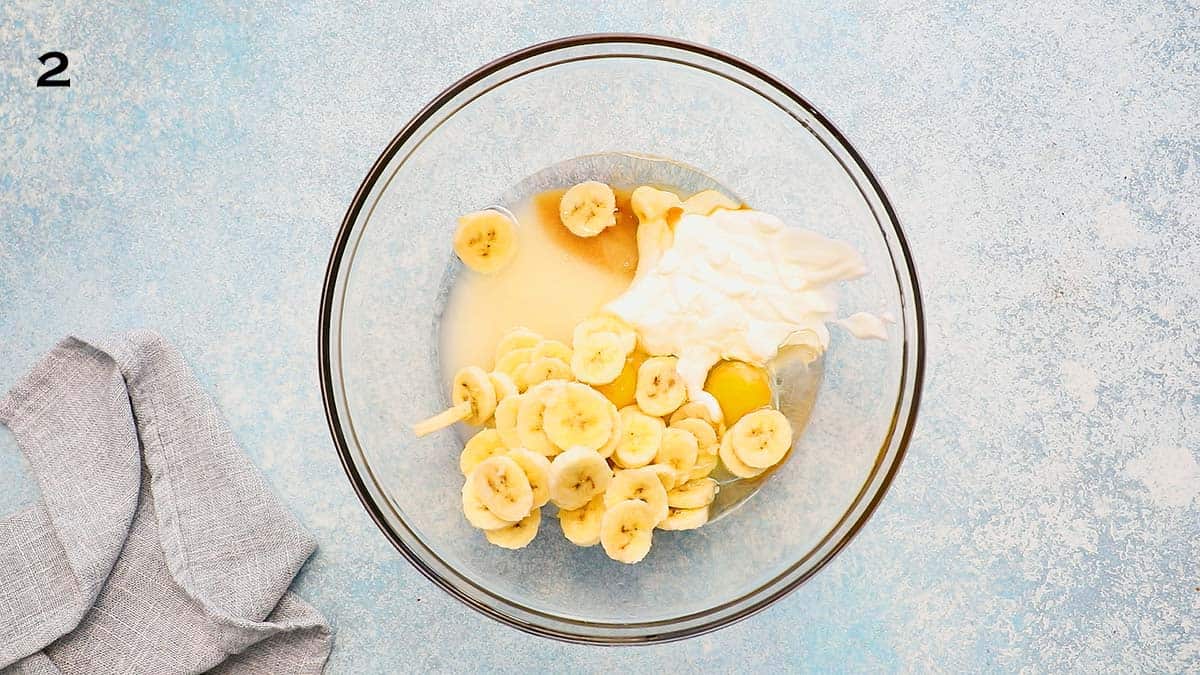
[736,285]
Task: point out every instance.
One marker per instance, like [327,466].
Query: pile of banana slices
[615,474]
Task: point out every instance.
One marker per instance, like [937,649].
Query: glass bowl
[392,265]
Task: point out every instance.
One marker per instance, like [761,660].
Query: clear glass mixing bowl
[390,271]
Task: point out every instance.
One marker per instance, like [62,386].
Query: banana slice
[606,323]
[576,476]
[704,203]
[707,444]
[698,410]
[540,370]
[477,514]
[512,361]
[693,494]
[684,519]
[474,400]
[537,472]
[487,443]
[660,390]
[581,526]
[627,530]
[503,488]
[730,459]
[588,208]
[678,450]
[503,384]
[598,358]
[614,437]
[552,349]
[640,484]
[761,438]
[641,436]
[578,415]
[506,420]
[517,338]
[486,241]
[519,534]
[666,475]
[530,422]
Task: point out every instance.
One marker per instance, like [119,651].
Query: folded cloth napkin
[156,547]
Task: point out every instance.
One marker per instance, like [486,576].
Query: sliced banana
[477,514]
[614,437]
[598,358]
[588,208]
[576,476]
[540,370]
[660,389]
[537,472]
[503,384]
[517,338]
[707,444]
[581,526]
[486,241]
[641,436]
[487,443]
[761,438]
[553,349]
[530,428]
[512,361]
[730,459]
[474,400]
[578,415]
[693,494]
[666,475]
[678,450]
[704,203]
[519,534]
[627,530]
[506,420]
[640,484]
[684,519]
[607,323]
[698,410]
[501,485]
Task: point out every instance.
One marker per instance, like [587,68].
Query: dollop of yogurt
[736,285]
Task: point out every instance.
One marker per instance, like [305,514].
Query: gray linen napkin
[156,547]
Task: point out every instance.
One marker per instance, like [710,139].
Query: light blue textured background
[1043,158]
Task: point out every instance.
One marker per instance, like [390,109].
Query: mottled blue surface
[1043,158]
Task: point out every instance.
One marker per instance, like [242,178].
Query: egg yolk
[739,388]
[623,390]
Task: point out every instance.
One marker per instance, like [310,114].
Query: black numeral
[46,80]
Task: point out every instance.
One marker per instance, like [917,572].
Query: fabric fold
[157,546]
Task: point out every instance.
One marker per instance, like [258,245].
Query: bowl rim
[329,288]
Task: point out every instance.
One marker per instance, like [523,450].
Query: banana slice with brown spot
[587,209]
[578,415]
[641,436]
[541,370]
[474,399]
[678,450]
[693,494]
[581,526]
[627,530]
[707,445]
[537,472]
[477,514]
[487,443]
[519,534]
[486,241]
[640,484]
[530,418]
[684,519]
[730,459]
[598,358]
[660,389]
[501,485]
[577,475]
[761,438]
